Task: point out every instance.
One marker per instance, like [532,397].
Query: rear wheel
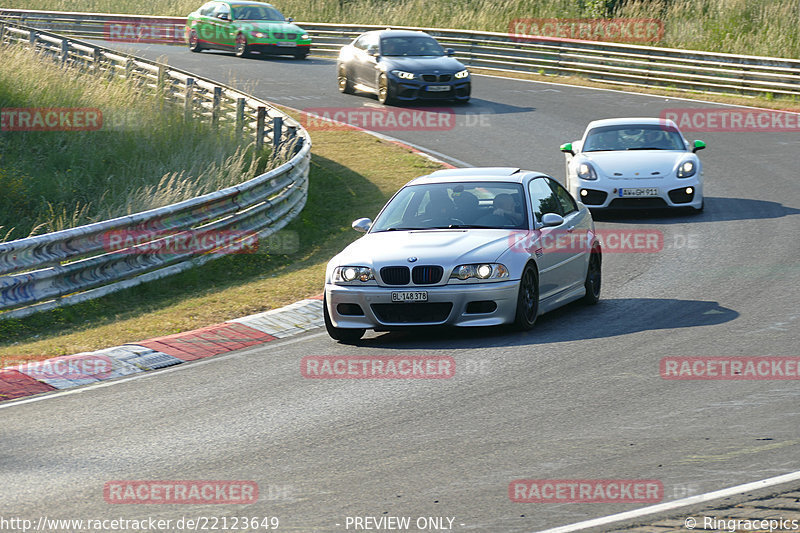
[194,42]
[345,85]
[593,277]
[385,90]
[241,49]
[527,299]
[343,335]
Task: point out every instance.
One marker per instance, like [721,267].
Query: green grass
[759,27]
[144,155]
[345,183]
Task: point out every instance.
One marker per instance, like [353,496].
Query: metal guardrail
[628,64]
[74,265]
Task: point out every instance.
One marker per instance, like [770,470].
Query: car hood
[636,163]
[423,63]
[447,247]
[264,26]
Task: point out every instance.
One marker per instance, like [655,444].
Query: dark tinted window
[208,9]
[410,46]
[256,12]
[543,199]
[565,200]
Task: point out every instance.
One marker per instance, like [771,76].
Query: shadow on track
[716,210]
[574,322]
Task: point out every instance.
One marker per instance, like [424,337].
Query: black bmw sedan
[402,66]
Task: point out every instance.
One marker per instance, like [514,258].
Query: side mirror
[373,51]
[362,225]
[290,20]
[699,145]
[450,52]
[222,16]
[552,219]
[567,147]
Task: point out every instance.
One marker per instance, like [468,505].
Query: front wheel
[345,85]
[527,299]
[241,49]
[194,42]
[301,54]
[385,90]
[593,277]
[343,335]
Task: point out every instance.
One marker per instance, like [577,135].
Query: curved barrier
[629,64]
[73,265]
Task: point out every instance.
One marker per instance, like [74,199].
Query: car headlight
[346,274]
[462,74]
[687,169]
[480,271]
[402,74]
[304,37]
[258,34]
[586,172]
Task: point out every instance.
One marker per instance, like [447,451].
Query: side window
[208,9]
[543,199]
[568,204]
[361,43]
[223,8]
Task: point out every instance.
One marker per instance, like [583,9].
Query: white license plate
[638,192]
[287,44]
[410,296]
[438,88]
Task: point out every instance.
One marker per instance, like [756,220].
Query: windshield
[256,12]
[411,46]
[633,137]
[455,205]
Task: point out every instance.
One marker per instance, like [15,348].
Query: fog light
[689,190]
[584,192]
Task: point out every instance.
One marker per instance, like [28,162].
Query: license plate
[438,88]
[408,296]
[287,44]
[638,192]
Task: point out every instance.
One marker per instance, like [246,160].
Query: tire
[345,85]
[702,206]
[343,335]
[194,42]
[593,277]
[301,55]
[241,49]
[385,90]
[527,299]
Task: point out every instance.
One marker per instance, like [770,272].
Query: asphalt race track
[579,397]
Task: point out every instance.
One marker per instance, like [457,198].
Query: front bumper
[379,312]
[600,194]
[409,90]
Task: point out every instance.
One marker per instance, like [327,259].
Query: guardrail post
[188,101]
[239,126]
[2,32]
[162,74]
[32,38]
[64,50]
[277,133]
[215,103]
[128,69]
[261,119]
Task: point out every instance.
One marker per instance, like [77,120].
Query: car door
[365,63]
[224,33]
[576,227]
[552,261]
[203,24]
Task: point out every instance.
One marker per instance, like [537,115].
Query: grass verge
[762,27]
[345,183]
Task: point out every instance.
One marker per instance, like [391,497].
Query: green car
[245,27]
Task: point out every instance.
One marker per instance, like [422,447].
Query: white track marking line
[683,502]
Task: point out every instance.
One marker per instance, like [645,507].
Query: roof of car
[629,120]
[500,174]
[398,33]
[246,2]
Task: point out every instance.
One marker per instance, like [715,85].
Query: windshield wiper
[647,148]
